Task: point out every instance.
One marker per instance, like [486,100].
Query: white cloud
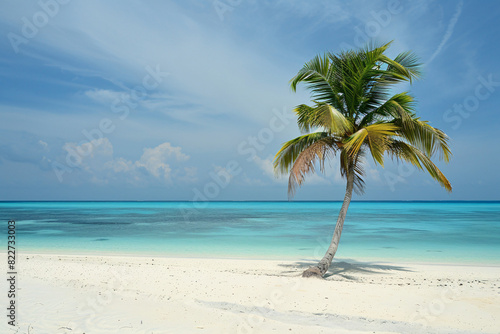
[96,158]
[104,96]
[266,166]
[120,165]
[154,160]
[44,145]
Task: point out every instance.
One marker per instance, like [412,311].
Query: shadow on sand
[347,267]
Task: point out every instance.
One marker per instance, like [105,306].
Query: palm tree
[353,115]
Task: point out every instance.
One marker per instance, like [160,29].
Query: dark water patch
[99,223]
[398,230]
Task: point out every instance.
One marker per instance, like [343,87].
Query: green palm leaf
[425,137]
[322,116]
[406,152]
[375,136]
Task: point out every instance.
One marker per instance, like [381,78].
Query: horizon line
[262,201]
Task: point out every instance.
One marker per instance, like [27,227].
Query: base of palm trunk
[312,272]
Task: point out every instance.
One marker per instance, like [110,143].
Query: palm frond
[425,137]
[410,62]
[304,164]
[353,144]
[312,71]
[404,151]
[316,74]
[403,68]
[322,116]
[376,136]
[399,106]
[289,152]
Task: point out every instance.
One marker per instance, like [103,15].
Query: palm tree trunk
[322,267]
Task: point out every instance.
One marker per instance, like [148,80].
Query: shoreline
[92,293]
[79,253]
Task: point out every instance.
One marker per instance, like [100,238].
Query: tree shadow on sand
[348,267]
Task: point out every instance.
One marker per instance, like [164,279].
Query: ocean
[436,232]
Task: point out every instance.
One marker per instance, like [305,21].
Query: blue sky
[189,100]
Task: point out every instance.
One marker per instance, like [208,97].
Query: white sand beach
[105,294]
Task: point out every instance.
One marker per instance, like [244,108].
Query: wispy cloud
[448,33]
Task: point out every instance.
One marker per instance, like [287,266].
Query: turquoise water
[465,232]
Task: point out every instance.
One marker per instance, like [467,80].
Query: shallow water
[465,232]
